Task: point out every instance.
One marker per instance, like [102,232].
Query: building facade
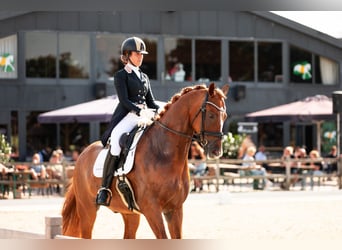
[51,60]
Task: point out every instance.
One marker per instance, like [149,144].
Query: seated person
[332,166]
[253,169]
[260,155]
[55,166]
[4,175]
[287,160]
[75,154]
[55,169]
[3,169]
[300,155]
[197,168]
[38,170]
[245,144]
[315,167]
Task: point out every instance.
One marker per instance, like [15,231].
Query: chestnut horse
[160,177]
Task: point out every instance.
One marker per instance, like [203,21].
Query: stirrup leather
[126,192]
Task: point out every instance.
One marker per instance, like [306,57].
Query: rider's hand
[147,114]
[143,122]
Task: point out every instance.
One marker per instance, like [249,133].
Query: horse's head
[202,111]
[208,121]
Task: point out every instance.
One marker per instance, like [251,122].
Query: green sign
[303,69]
[6,62]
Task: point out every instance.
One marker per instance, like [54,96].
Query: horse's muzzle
[214,150]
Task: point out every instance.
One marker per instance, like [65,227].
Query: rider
[136,107]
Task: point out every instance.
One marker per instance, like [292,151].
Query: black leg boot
[104,195]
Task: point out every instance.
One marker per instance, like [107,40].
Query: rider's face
[136,58]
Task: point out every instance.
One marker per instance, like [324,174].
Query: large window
[108,49]
[178,58]
[241,61]
[269,62]
[149,65]
[326,70]
[108,53]
[208,60]
[8,57]
[40,54]
[74,55]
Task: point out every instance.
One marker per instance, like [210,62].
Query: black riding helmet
[133,44]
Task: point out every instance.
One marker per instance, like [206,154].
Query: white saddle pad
[99,162]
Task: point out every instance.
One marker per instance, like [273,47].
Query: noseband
[200,137]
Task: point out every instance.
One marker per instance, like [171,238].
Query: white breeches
[124,126]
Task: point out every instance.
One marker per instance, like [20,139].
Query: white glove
[143,122]
[147,114]
[146,117]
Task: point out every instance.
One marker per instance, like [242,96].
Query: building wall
[23,96]
[239,25]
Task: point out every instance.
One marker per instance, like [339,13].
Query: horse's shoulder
[96,143]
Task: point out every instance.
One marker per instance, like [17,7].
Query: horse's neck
[178,118]
[176,140]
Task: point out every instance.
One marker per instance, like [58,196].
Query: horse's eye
[211,115]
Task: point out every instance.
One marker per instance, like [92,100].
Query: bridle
[199,137]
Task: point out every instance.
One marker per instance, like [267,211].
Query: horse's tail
[70,218]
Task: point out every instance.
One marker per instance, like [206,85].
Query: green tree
[5,149]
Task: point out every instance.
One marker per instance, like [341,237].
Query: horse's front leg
[155,220]
[174,220]
[132,222]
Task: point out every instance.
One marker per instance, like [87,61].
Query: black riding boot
[104,195]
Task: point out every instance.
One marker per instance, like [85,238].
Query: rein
[203,132]
[173,131]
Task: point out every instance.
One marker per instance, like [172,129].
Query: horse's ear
[211,88]
[225,89]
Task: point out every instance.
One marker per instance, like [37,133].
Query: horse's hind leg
[87,214]
[131,225]
[174,221]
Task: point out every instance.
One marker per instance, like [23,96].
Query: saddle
[125,143]
[123,185]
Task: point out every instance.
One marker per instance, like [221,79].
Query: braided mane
[176,97]
[184,91]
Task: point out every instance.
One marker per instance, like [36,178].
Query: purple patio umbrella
[99,110]
[312,108]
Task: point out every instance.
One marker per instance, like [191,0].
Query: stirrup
[108,199]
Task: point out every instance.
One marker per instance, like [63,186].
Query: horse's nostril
[215,153]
